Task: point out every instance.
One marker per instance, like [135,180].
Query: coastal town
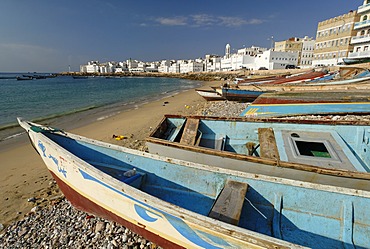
[261,147]
[339,40]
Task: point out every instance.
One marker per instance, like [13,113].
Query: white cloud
[175,21]
[203,20]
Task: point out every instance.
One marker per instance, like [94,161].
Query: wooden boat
[241,95]
[334,153]
[351,61]
[210,94]
[280,104]
[298,78]
[179,204]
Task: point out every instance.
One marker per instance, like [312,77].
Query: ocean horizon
[42,99]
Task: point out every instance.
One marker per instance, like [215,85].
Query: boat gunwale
[270,162]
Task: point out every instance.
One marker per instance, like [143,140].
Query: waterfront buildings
[304,47]
[339,37]
[333,39]
[361,40]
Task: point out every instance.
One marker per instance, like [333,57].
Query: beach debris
[32,199]
[130,173]
[1,227]
[119,137]
[187,106]
[35,209]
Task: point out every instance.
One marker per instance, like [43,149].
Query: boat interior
[338,147]
[307,216]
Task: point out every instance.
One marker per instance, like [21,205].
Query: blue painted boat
[281,104]
[180,204]
[236,94]
[334,153]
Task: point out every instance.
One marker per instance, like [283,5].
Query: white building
[212,63]
[361,41]
[275,59]
[306,55]
[91,67]
[164,66]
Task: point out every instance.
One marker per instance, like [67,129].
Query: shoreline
[25,176]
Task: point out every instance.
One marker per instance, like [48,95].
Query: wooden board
[268,148]
[229,203]
[190,131]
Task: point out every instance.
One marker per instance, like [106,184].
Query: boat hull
[210,95]
[79,201]
[282,104]
[303,214]
[240,95]
[163,223]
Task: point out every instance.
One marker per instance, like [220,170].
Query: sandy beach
[24,175]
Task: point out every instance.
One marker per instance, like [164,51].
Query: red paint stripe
[84,204]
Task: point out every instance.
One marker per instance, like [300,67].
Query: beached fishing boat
[280,104]
[351,61]
[179,204]
[311,151]
[210,94]
[241,95]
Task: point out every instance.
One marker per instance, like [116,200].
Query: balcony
[363,8]
[360,39]
[361,54]
[363,24]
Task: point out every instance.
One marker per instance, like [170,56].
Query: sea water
[40,99]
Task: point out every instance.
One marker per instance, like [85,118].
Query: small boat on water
[281,104]
[24,78]
[334,153]
[79,77]
[179,204]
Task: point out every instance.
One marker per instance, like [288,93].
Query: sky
[51,35]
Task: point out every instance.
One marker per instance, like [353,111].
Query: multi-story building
[275,59]
[333,38]
[303,46]
[361,40]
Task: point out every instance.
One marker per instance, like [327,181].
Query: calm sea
[39,99]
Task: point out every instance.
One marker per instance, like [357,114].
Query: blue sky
[49,35]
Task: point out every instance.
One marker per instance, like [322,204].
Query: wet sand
[24,175]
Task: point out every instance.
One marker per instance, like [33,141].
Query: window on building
[362,32]
[365,18]
[366,48]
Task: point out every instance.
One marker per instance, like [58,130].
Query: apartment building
[361,40]
[304,47]
[333,39]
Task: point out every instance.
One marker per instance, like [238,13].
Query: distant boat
[179,204]
[80,77]
[24,78]
[312,151]
[280,104]
[7,77]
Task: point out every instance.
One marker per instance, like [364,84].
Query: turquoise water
[43,98]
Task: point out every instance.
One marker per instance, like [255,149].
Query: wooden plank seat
[229,203]
[268,147]
[189,135]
